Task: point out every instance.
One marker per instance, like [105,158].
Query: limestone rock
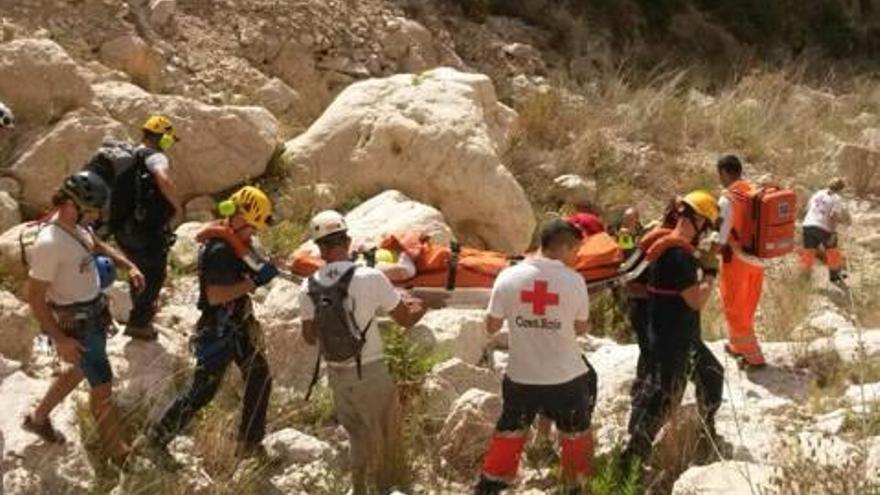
[463,376]
[161,11]
[281,303]
[132,55]
[40,80]
[391,212]
[10,186]
[10,216]
[291,359]
[277,96]
[725,478]
[437,136]
[19,329]
[59,153]
[466,432]
[871,241]
[200,209]
[220,147]
[454,332]
[574,189]
[119,297]
[10,253]
[410,44]
[296,447]
[185,252]
[860,165]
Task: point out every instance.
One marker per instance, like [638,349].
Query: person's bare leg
[61,387]
[109,428]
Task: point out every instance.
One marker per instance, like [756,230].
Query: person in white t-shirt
[824,212]
[64,294]
[546,306]
[364,393]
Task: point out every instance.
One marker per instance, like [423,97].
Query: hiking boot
[141,332]
[712,447]
[489,487]
[43,430]
[151,449]
[742,362]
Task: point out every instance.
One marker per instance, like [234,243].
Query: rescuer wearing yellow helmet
[679,283]
[226,330]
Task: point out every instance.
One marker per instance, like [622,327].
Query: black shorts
[817,236]
[570,405]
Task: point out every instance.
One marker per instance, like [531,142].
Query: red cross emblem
[539,297]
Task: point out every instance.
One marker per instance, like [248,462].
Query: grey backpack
[339,337]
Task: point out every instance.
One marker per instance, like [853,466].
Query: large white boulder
[437,136]
[725,478]
[41,82]
[220,146]
[291,359]
[455,333]
[59,153]
[465,434]
[281,303]
[391,212]
[860,165]
[18,329]
[10,252]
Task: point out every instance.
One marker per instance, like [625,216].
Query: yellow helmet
[254,206]
[158,124]
[703,203]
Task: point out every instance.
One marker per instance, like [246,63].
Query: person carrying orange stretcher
[824,212]
[742,275]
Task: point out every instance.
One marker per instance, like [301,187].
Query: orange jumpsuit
[742,280]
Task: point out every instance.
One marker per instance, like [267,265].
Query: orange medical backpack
[763,219]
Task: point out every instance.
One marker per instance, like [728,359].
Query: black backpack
[135,202]
[339,338]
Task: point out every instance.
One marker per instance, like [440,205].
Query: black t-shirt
[672,320]
[218,265]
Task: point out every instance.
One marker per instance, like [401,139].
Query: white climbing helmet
[327,223]
[7,119]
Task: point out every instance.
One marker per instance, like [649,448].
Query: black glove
[265,275]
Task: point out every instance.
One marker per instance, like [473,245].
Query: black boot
[489,487]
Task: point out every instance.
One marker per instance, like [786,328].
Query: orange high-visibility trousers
[741,285]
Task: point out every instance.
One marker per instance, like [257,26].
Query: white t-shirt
[824,208]
[56,257]
[541,299]
[369,292]
[157,161]
[725,206]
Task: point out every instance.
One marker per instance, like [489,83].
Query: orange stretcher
[453,267]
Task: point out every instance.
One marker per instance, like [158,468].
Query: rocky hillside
[464,118]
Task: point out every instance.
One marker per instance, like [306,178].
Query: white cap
[326,223]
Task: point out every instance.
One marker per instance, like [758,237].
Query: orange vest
[220,230]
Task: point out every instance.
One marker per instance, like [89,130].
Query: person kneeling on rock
[676,351]
[65,296]
[226,331]
[546,306]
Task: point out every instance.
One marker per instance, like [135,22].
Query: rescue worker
[676,294]
[630,231]
[824,212]
[226,331]
[365,396]
[144,234]
[546,306]
[742,275]
[64,294]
